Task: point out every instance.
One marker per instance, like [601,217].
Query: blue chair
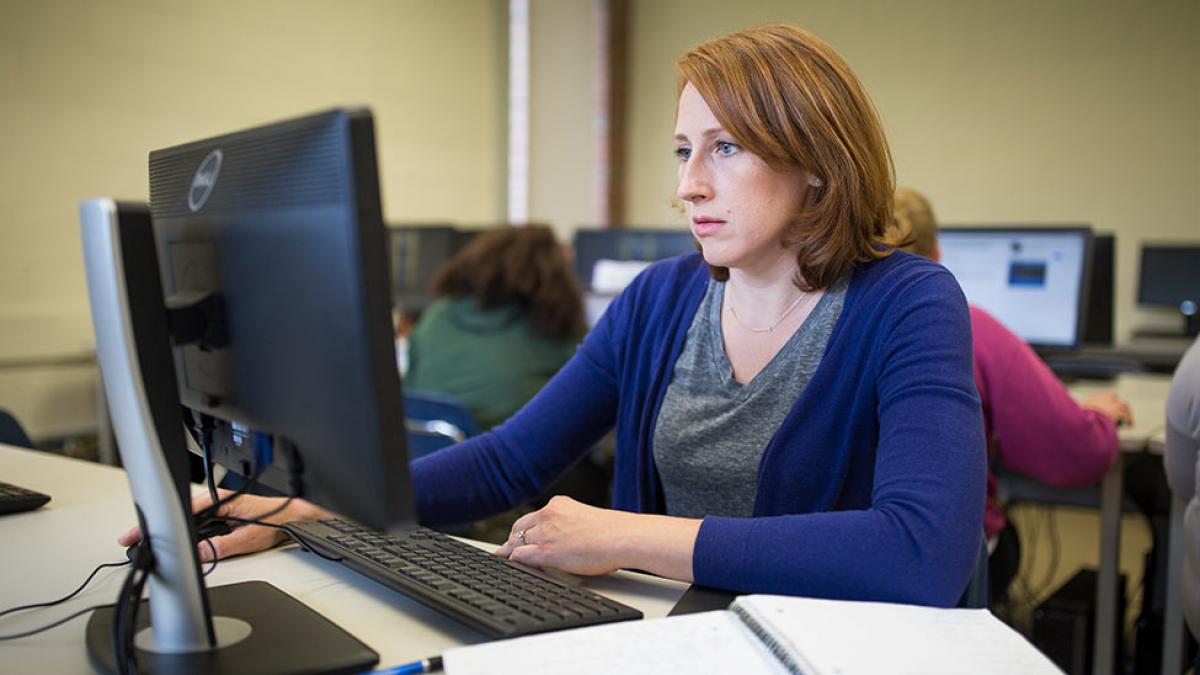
[434,421]
[11,431]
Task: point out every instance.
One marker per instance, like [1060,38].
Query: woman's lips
[704,227]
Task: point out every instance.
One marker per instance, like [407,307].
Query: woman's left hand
[570,536]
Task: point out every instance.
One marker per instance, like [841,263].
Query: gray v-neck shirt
[712,430]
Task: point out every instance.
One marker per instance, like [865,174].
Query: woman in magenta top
[1033,426]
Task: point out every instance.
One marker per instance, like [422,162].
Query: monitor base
[286,636]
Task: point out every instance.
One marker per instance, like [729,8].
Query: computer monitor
[1169,276]
[1033,279]
[257,298]
[623,244]
[415,253]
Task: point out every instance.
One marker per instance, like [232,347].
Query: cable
[124,654]
[68,596]
[211,513]
[135,606]
[296,540]
[60,622]
[213,549]
[205,442]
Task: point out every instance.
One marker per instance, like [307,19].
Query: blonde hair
[789,98]
[914,221]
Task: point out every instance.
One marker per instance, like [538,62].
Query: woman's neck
[766,291]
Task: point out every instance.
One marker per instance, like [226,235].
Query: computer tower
[1098,326]
[1063,625]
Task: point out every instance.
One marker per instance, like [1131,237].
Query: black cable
[135,606]
[296,540]
[60,622]
[124,655]
[119,631]
[68,596]
[206,442]
[212,549]
[212,512]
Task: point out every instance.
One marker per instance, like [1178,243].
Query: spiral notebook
[772,634]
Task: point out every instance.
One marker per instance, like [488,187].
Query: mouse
[213,528]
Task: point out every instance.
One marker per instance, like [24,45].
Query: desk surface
[1146,394]
[49,552]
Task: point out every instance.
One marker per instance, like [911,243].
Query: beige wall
[562,154]
[1001,112]
[88,87]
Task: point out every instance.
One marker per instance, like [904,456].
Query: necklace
[768,329]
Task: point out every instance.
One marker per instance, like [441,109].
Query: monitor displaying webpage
[1030,280]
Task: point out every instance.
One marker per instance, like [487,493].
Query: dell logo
[204,180]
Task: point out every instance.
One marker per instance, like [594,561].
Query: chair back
[11,431]
[435,421]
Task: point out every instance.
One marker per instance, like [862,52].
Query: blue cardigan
[871,489]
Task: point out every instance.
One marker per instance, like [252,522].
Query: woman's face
[738,207]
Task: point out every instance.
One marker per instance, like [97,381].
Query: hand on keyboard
[244,538]
[1111,406]
[574,537]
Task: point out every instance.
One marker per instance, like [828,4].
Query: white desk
[1147,397]
[48,552]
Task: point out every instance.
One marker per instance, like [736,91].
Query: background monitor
[415,253]
[626,244]
[1169,276]
[1032,279]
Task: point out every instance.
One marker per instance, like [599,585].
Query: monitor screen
[1169,275]
[280,229]
[1031,279]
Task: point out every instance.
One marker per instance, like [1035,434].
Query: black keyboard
[14,499]
[497,597]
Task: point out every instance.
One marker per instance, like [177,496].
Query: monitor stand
[260,629]
[186,628]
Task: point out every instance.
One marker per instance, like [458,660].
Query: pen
[432,664]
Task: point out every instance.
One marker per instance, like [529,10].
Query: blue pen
[432,664]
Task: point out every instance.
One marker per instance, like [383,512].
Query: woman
[1031,422]
[508,315]
[794,411]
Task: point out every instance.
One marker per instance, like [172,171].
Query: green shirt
[492,360]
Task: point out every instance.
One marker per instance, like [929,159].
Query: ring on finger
[521,537]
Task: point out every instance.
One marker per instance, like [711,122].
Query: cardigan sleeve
[918,539]
[1039,430]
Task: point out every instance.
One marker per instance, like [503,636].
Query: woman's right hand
[1111,406]
[244,538]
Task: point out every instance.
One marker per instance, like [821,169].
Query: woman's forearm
[660,545]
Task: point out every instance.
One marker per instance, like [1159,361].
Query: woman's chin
[714,255]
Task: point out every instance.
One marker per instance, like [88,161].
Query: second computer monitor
[1033,279]
[1169,276]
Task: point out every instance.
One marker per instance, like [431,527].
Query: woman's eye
[726,148]
[682,154]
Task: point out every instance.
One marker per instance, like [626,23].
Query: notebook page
[709,642]
[851,638]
